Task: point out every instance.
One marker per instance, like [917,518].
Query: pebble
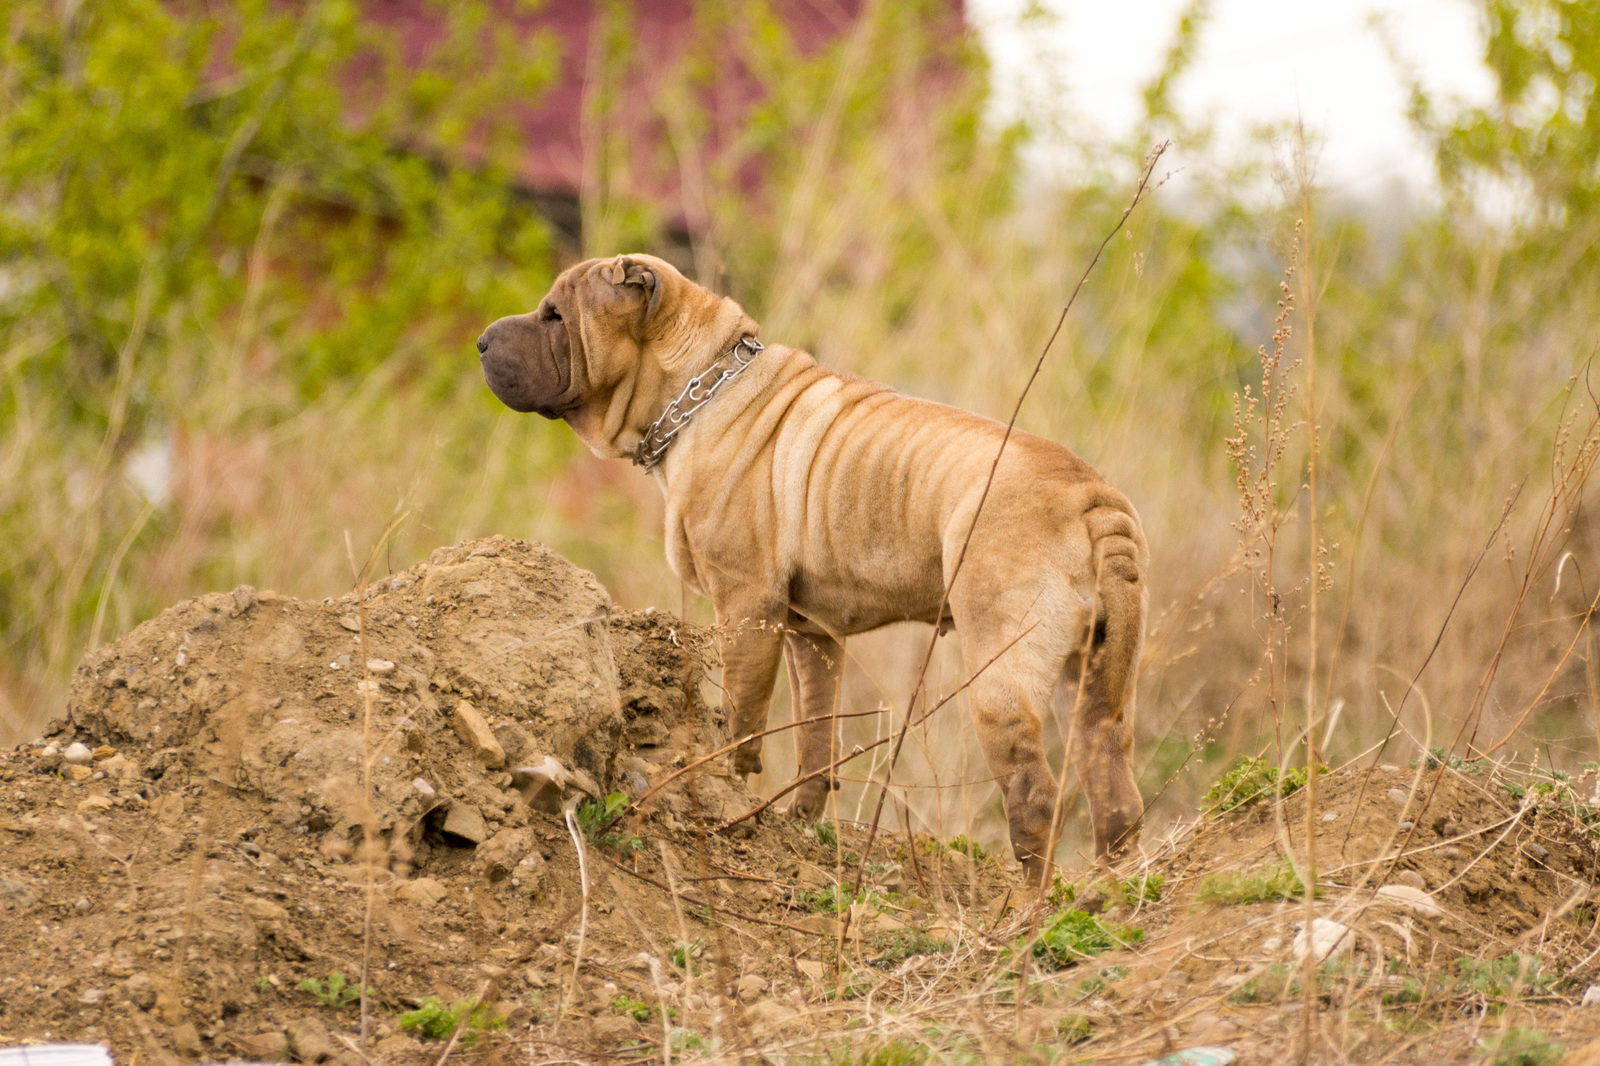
[1406,827]
[1327,938]
[92,997]
[1452,852]
[1591,997]
[476,734]
[380,667]
[49,751]
[750,986]
[425,790]
[78,754]
[83,905]
[1539,851]
[465,821]
[1411,879]
[1399,795]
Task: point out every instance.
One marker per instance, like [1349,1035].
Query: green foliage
[1270,882]
[594,816]
[435,1021]
[967,847]
[1249,780]
[335,991]
[637,1009]
[827,834]
[891,1053]
[682,952]
[835,899]
[1074,1028]
[1520,1047]
[1505,976]
[895,948]
[1071,936]
[1144,887]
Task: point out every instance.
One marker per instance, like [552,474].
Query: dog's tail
[1120,561]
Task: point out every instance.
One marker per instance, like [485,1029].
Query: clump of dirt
[257,806]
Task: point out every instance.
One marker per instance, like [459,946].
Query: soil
[407,788]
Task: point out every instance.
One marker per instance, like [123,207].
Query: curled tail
[1105,713]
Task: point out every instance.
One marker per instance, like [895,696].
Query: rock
[1539,852]
[78,754]
[1328,938]
[750,986]
[120,767]
[186,1040]
[476,734]
[1411,879]
[94,804]
[310,1040]
[141,991]
[464,822]
[423,789]
[78,772]
[83,906]
[271,1046]
[541,786]
[92,997]
[1399,795]
[424,890]
[16,895]
[767,1015]
[609,1030]
[103,752]
[1591,997]
[1412,899]
[502,853]
[380,667]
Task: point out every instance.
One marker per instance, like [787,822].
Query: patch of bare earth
[405,789]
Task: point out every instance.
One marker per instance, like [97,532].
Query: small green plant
[1070,936]
[893,1053]
[683,951]
[264,985]
[595,815]
[835,899]
[637,1009]
[1271,882]
[967,847]
[1249,780]
[1505,976]
[435,1021]
[895,948]
[1520,1047]
[1074,1028]
[827,834]
[335,991]
[686,1040]
[1272,985]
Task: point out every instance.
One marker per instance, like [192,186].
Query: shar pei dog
[810,505]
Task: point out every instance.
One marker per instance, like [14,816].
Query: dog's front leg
[814,664]
[752,643]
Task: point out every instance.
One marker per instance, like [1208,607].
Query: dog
[810,505]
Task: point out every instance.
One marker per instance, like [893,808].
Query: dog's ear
[624,271]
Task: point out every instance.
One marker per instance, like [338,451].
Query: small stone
[92,997]
[1412,899]
[83,906]
[267,1047]
[465,822]
[1389,768]
[610,1030]
[141,991]
[1539,852]
[104,752]
[541,786]
[1327,938]
[424,890]
[309,1039]
[380,667]
[49,751]
[1591,997]
[425,790]
[476,734]
[78,754]
[1399,795]
[80,773]
[186,1039]
[1330,816]
[1411,879]
[1406,826]
[750,986]
[1452,852]
[95,804]
[352,622]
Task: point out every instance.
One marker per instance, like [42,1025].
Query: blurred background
[245,249]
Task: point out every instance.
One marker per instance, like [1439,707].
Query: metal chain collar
[695,395]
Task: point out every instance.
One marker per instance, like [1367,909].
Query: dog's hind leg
[814,665]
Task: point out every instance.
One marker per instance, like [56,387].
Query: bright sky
[1259,61]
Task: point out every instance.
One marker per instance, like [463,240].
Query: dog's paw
[747,760]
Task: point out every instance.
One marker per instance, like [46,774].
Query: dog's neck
[682,344]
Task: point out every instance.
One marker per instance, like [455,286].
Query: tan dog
[810,505]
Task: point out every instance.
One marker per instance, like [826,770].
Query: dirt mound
[256,805]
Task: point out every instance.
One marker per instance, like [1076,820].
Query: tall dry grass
[897,236]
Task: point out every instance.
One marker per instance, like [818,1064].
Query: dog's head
[629,318]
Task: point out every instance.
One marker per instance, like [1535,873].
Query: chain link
[695,395]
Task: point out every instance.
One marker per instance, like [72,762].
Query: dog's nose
[483,344]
